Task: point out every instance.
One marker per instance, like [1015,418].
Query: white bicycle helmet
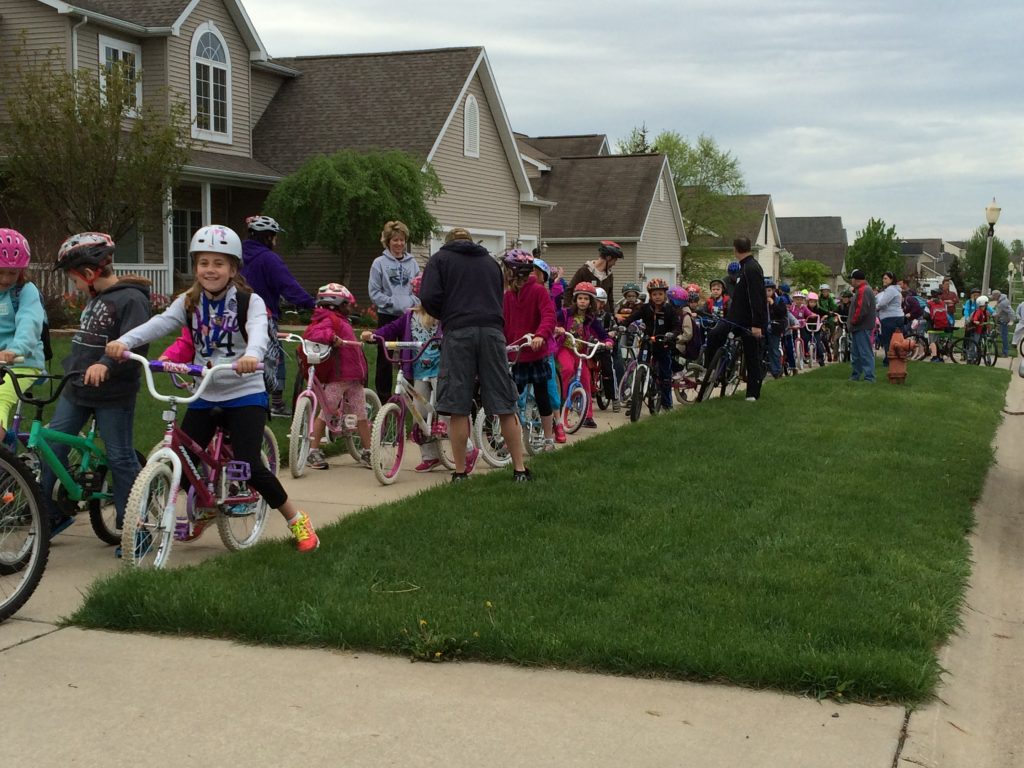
[334,295]
[602,294]
[216,238]
[262,224]
[824,287]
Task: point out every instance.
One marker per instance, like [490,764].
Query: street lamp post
[1012,268]
[991,216]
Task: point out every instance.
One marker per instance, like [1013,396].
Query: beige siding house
[626,198]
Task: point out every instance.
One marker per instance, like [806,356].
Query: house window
[471,128]
[128,55]
[211,85]
[661,190]
[184,224]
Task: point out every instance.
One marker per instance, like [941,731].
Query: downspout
[74,42]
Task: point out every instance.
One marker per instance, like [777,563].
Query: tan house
[255,120]
[442,105]
[630,199]
[754,218]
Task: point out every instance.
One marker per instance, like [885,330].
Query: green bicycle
[84,482]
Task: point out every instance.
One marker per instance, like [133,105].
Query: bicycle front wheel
[241,527]
[387,442]
[714,372]
[533,428]
[989,352]
[688,387]
[24,534]
[353,443]
[636,395]
[145,539]
[301,436]
[574,411]
[731,379]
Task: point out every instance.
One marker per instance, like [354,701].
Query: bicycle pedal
[237,471]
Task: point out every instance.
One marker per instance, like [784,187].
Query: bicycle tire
[145,541]
[300,436]
[533,428]
[733,375]
[22,561]
[921,347]
[636,395]
[844,349]
[488,438]
[626,384]
[955,351]
[990,353]
[574,409]
[103,513]
[687,388]
[387,442]
[353,443]
[712,374]
[444,450]
[240,531]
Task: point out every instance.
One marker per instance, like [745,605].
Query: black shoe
[590,424]
[522,477]
[458,477]
[280,410]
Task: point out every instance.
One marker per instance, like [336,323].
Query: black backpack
[45,336]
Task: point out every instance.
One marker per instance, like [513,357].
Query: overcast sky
[910,111]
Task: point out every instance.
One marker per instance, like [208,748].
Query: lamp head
[992,213]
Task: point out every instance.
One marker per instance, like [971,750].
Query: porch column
[168,262]
[207,205]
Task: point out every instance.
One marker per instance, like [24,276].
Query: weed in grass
[424,643]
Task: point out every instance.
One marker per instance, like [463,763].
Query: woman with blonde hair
[390,290]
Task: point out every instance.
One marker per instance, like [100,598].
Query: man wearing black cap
[862,323]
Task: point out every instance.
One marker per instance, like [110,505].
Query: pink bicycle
[311,404]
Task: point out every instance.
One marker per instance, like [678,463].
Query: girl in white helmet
[228,323]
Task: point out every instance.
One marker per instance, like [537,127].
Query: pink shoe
[471,458]
[427,464]
[559,433]
[440,429]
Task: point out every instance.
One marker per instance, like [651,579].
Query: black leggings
[540,394]
[245,425]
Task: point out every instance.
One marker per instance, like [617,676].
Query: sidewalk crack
[902,739]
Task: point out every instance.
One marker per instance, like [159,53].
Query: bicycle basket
[315,353]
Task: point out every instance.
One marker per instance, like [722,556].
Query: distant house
[630,199]
[753,217]
[817,238]
[442,106]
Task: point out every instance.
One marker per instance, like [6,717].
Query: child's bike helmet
[415,283]
[586,289]
[601,294]
[216,239]
[14,250]
[93,250]
[812,296]
[678,295]
[634,287]
[262,224]
[610,249]
[334,295]
[542,266]
[656,284]
[734,268]
[518,262]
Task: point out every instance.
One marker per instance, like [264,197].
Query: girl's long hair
[193,294]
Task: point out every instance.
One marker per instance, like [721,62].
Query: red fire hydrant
[900,348]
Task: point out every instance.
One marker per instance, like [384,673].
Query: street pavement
[88,697]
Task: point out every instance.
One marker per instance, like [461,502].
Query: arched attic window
[211,85]
[471,128]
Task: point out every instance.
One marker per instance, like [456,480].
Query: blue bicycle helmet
[542,266]
[734,267]
[784,288]
[769,283]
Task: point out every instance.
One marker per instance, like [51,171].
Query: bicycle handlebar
[164,366]
[592,346]
[30,397]
[385,346]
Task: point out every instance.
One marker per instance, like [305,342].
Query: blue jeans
[789,348]
[774,354]
[862,357]
[1004,333]
[114,424]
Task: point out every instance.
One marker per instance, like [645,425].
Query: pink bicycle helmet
[518,262]
[812,296]
[14,250]
[587,289]
[334,295]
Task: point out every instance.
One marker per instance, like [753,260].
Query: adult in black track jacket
[747,309]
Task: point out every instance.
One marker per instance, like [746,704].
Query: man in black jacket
[463,287]
[748,309]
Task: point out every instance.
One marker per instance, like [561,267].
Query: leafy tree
[974,269]
[1017,249]
[806,273]
[636,143]
[79,147]
[341,202]
[956,274]
[876,250]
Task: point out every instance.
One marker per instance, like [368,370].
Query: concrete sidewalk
[88,697]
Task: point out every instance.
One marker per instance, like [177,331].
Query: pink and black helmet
[14,250]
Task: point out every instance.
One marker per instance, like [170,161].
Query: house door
[184,224]
[666,272]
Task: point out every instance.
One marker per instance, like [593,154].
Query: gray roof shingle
[601,196]
[146,13]
[586,145]
[217,161]
[362,101]
[821,238]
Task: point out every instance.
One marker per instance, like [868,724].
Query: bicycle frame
[405,394]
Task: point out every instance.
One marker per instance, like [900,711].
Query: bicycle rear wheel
[574,410]
[989,352]
[24,534]
[352,441]
[146,540]
[488,438]
[735,373]
[957,352]
[240,528]
[688,387]
[387,442]
[533,428]
[300,436]
[714,372]
[636,395]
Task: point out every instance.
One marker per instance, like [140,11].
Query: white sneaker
[751,399]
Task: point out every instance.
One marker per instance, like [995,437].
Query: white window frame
[661,189]
[471,130]
[208,134]
[122,47]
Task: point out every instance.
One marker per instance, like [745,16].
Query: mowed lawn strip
[812,542]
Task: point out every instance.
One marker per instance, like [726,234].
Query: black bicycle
[726,368]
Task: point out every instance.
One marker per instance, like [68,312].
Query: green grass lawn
[812,542]
[149,428]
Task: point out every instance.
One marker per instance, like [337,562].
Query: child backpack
[940,318]
[45,335]
[696,342]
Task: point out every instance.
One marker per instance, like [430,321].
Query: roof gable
[584,145]
[624,185]
[821,238]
